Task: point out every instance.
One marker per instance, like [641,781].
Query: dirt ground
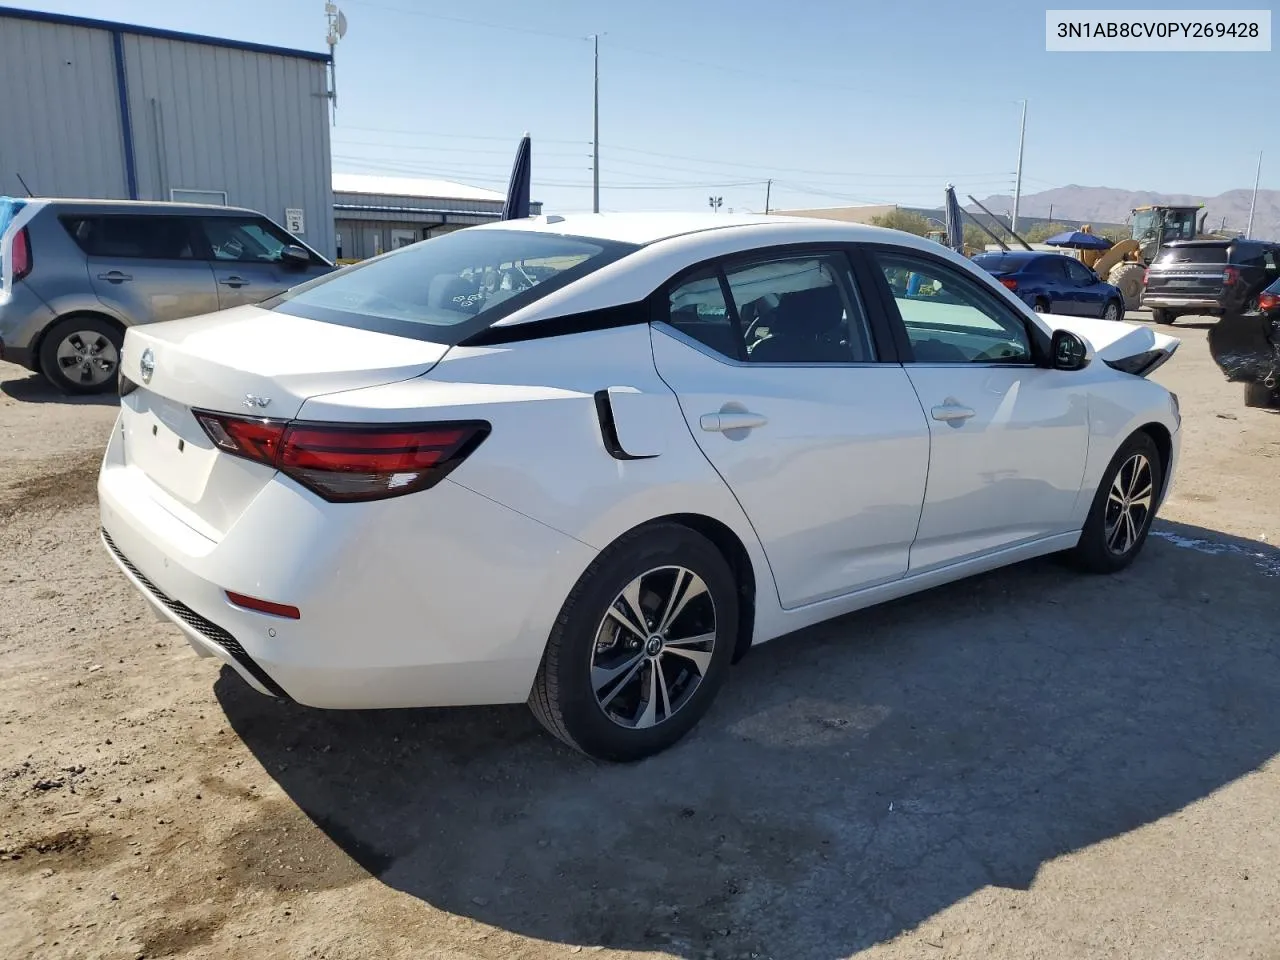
[1030,764]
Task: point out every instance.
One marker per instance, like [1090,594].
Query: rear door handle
[114,276]
[952,411]
[234,282]
[720,422]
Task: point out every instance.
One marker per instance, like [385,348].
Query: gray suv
[75,273]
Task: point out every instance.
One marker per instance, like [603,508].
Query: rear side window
[447,288]
[1207,254]
[1249,255]
[134,237]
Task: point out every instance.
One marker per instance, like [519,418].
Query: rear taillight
[1146,276]
[1230,275]
[347,462]
[21,254]
[1268,301]
[1009,282]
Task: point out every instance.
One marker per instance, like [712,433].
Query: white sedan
[587,461]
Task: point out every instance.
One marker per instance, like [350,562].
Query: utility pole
[768,189]
[1248,231]
[1051,214]
[595,162]
[1017,184]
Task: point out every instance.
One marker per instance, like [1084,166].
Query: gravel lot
[1029,764]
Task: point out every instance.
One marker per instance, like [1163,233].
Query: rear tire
[613,694]
[1041,306]
[1113,311]
[1165,317]
[81,354]
[1123,508]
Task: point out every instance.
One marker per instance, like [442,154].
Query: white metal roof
[411,187]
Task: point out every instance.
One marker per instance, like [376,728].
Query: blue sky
[839,102]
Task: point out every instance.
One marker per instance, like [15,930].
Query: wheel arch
[1163,440]
[37,343]
[731,547]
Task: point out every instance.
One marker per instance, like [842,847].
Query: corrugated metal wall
[203,117]
[61,117]
[252,124]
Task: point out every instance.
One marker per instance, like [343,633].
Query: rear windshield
[450,287]
[1207,254]
[1001,262]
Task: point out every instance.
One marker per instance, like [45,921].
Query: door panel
[1007,473]
[1009,438]
[246,259]
[831,476]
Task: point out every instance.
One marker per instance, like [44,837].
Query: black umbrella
[955,225]
[517,205]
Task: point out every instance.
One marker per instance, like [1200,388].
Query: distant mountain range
[1112,205]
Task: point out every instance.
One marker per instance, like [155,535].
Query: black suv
[1208,277]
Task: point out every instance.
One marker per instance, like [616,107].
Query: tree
[903,220]
[1041,232]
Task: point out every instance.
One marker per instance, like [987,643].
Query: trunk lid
[249,362]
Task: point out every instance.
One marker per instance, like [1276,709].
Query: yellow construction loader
[1124,264]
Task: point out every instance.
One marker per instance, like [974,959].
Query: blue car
[1054,283]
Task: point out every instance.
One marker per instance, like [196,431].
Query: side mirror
[1069,351]
[295,256]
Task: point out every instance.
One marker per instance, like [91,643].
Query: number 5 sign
[294,220]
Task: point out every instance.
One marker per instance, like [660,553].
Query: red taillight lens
[21,254]
[264,606]
[1009,282]
[1268,301]
[347,462]
[1230,275]
[1146,276]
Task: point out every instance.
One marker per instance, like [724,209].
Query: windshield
[1145,224]
[447,288]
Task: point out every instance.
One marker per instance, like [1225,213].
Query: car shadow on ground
[851,780]
[34,388]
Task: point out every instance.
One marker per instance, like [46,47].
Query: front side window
[950,318]
[133,236]
[449,287]
[247,240]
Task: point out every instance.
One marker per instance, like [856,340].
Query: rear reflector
[264,606]
[349,462]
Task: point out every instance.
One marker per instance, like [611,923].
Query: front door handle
[234,281]
[114,276]
[951,411]
[720,422]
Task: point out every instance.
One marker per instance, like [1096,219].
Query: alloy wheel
[88,358]
[1128,504]
[653,647]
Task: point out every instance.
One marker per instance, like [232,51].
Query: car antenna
[1015,236]
[24,183]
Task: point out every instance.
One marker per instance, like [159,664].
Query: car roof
[163,207]
[646,228]
[1027,255]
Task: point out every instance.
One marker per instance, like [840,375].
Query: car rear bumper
[440,598]
[1201,305]
[23,317]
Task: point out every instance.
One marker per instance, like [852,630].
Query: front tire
[1123,508]
[1127,278]
[81,354]
[641,646]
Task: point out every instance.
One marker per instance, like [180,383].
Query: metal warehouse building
[375,214]
[108,110]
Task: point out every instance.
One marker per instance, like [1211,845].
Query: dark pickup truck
[1208,277]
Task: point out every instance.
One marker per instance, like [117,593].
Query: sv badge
[255,402]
